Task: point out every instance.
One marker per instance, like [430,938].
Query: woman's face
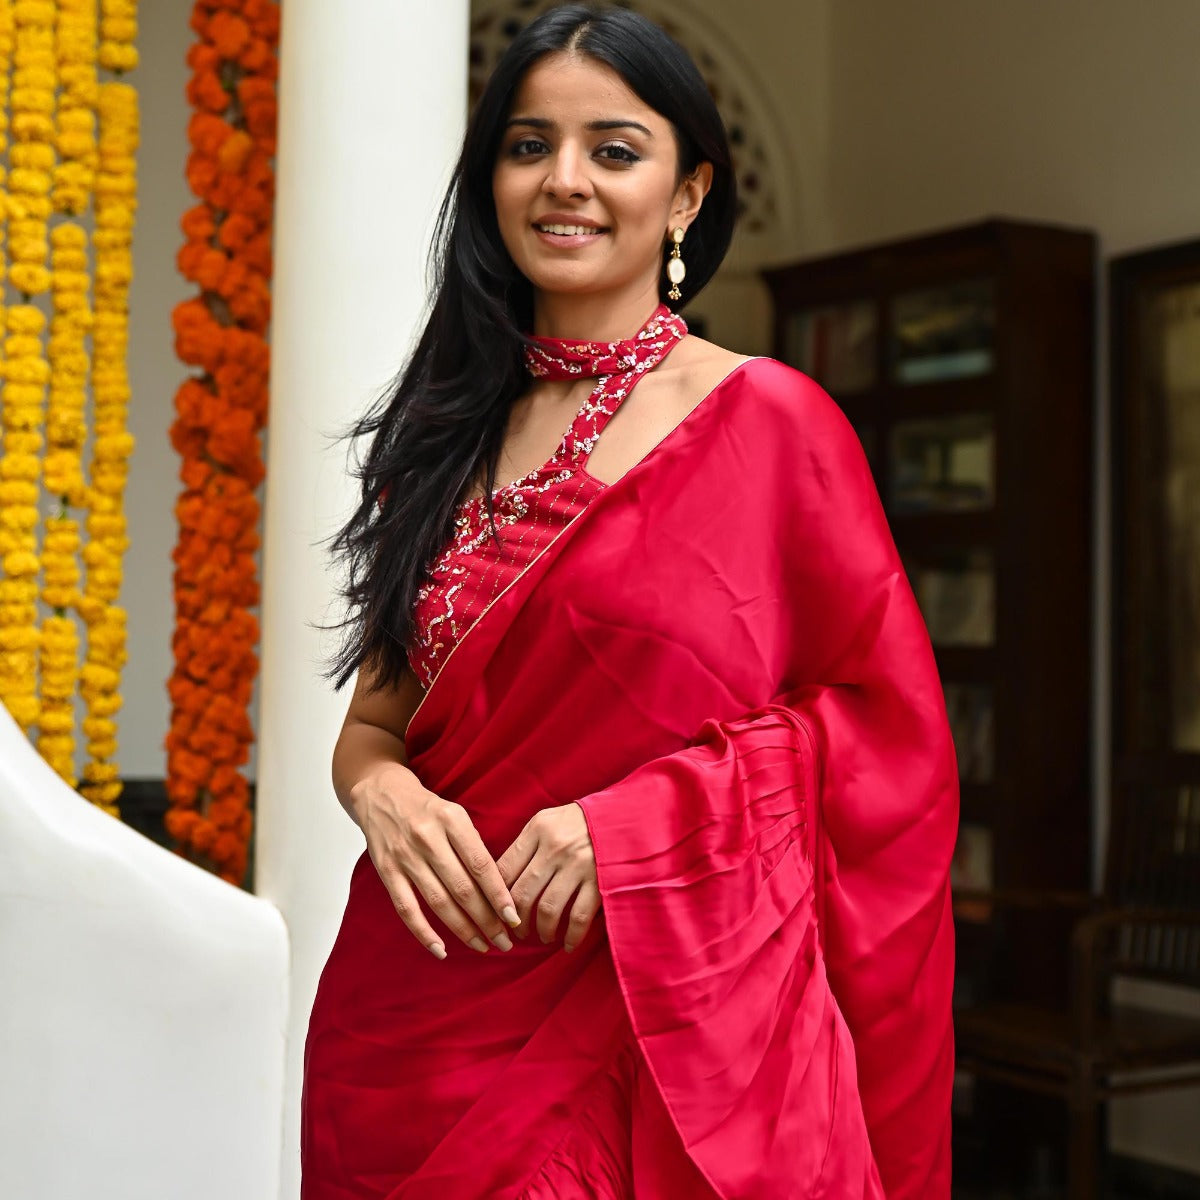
[581,148]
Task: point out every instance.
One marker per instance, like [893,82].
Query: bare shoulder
[662,399]
[794,403]
[696,368]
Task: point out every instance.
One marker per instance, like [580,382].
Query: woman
[662,709]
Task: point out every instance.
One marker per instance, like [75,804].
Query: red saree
[720,659]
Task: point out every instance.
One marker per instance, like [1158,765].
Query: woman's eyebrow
[544,123]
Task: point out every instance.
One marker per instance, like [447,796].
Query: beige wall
[1077,111]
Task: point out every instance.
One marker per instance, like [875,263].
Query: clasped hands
[424,845]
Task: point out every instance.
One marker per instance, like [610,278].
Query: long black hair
[445,414]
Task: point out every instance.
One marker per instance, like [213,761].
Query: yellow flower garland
[31,103]
[50,50]
[16,496]
[66,430]
[116,203]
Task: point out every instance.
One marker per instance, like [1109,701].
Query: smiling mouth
[570,230]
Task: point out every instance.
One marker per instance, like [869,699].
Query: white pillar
[371,112]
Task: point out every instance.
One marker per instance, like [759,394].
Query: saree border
[607,489]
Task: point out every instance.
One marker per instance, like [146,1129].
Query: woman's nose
[567,174]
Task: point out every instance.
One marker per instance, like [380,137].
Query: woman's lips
[566,241]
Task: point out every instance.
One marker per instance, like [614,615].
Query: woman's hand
[423,844]
[550,862]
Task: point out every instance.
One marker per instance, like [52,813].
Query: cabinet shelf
[966,664]
[977,803]
[942,398]
[942,528]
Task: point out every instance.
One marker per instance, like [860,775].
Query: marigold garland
[51,49]
[115,205]
[66,414]
[220,413]
[29,55]
[19,491]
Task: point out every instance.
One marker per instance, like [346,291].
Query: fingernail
[568,949]
[437,949]
[510,916]
[478,944]
[503,941]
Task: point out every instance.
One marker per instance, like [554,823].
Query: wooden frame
[1153,743]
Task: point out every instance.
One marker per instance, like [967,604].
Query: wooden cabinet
[965,361]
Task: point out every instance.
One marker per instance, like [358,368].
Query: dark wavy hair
[443,417]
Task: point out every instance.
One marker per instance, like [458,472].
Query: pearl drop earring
[675,268]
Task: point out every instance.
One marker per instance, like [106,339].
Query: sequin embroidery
[471,571]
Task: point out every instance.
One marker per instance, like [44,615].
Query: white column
[371,113]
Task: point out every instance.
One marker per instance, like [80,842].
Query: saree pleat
[721,662]
[706,865]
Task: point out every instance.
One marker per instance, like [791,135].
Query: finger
[517,857]
[404,900]
[488,878]
[467,895]
[583,913]
[527,890]
[446,908]
[551,905]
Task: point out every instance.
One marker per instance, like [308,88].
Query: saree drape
[721,661]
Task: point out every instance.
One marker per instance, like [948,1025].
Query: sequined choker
[556,358]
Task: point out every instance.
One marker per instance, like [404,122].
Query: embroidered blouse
[471,570]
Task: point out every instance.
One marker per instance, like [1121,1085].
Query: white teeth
[567,229]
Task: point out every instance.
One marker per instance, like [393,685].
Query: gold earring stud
[675,268]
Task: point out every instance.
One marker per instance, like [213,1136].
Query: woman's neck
[591,318]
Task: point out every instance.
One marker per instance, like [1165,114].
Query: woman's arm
[371,743]
[418,842]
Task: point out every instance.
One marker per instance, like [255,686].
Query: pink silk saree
[721,661]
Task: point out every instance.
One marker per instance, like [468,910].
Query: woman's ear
[691,193]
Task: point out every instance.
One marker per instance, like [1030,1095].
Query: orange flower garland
[220,413]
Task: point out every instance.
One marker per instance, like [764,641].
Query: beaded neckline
[616,364]
[561,358]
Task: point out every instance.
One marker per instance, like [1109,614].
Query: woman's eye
[623,153]
[516,150]
[614,152]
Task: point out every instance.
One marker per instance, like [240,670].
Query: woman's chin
[554,283]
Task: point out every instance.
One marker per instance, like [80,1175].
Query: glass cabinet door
[942,333]
[835,345]
[1169,572]
[942,464]
[956,591]
[970,707]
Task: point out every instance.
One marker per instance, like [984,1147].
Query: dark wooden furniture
[1145,925]
[964,359]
